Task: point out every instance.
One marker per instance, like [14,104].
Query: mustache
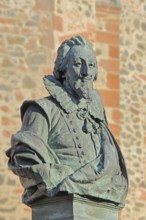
[84,82]
[85,78]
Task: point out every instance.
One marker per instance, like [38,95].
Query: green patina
[64,144]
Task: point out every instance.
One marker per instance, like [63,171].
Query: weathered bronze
[64,144]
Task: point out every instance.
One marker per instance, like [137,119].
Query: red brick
[110,98]
[8,20]
[143,195]
[46,71]
[113,81]
[6,134]
[4,28]
[107,37]
[115,129]
[22,67]
[9,29]
[47,40]
[45,24]
[91,26]
[106,17]
[114,52]
[18,191]
[90,36]
[144,100]
[26,30]
[110,65]
[57,22]
[143,77]
[112,26]
[27,209]
[101,16]
[19,96]
[5,120]
[33,95]
[66,37]
[108,8]
[5,108]
[116,115]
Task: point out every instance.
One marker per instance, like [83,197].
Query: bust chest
[72,143]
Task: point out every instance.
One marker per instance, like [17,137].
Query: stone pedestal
[73,207]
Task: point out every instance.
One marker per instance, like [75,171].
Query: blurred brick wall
[30,33]
[133,103]
[107,50]
[26,54]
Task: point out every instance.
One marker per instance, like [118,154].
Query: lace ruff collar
[68,103]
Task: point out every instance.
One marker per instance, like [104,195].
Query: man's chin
[85,95]
[83,90]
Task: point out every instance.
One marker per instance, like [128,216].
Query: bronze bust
[64,144]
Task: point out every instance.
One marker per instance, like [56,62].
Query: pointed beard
[84,89]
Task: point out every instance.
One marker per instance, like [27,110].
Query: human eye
[78,63]
[91,65]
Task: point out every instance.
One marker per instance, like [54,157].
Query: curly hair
[63,52]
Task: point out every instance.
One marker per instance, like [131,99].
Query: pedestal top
[74,207]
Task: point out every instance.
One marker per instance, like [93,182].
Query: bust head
[76,66]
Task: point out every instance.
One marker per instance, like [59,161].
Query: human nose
[84,70]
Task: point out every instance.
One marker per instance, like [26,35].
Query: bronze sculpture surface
[64,144]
